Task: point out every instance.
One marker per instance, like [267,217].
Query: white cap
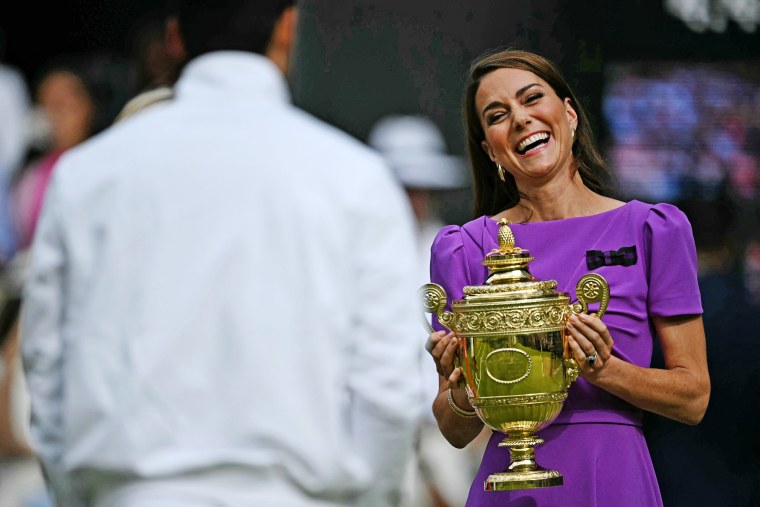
[414,148]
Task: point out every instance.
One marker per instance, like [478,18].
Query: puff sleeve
[448,266]
[671,263]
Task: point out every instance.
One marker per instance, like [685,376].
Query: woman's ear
[572,116]
[487,148]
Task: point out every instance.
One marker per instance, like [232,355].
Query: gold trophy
[512,349]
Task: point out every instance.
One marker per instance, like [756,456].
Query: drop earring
[500,170]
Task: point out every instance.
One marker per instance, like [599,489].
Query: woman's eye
[534,97]
[495,117]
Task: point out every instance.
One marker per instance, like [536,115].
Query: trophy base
[527,479]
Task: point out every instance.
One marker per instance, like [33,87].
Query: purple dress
[647,254]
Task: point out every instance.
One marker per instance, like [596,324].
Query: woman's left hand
[590,343]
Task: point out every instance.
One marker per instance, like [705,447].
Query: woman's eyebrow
[524,89]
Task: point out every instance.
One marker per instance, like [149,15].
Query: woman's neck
[556,200]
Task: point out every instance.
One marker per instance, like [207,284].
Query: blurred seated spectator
[439,475]
[415,149]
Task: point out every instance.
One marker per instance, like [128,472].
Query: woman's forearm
[678,393]
[458,430]
[680,390]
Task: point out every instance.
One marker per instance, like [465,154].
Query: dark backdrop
[358,60]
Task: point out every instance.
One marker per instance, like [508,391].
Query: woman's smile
[533,144]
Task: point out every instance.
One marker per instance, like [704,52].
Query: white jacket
[224,283]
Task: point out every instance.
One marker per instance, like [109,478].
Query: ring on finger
[591,360]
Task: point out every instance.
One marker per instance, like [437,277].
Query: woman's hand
[443,347]
[680,391]
[459,430]
[590,344]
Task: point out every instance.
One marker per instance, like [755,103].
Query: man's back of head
[219,25]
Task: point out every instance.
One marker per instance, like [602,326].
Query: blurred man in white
[438,475]
[220,307]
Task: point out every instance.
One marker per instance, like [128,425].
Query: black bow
[626,256]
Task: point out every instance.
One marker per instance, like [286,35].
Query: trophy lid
[508,273]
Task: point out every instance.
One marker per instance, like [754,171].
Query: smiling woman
[535,164]
[538,88]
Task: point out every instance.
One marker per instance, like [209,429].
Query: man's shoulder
[94,160]
[324,132]
[336,152]
[313,141]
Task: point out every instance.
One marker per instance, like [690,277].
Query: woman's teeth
[523,146]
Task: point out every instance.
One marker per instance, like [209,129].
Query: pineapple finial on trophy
[506,239]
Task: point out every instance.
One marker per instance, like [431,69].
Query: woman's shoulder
[458,236]
[661,216]
[456,255]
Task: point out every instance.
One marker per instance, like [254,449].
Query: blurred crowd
[682,126]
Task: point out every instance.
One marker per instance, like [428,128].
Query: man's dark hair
[218,25]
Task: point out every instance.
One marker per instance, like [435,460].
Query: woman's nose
[520,119]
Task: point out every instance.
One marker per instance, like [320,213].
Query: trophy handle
[434,301]
[592,288]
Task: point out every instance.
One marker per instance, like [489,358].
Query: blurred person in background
[726,469]
[157,60]
[220,307]
[535,163]
[415,150]
[21,483]
[751,270]
[76,96]
[14,110]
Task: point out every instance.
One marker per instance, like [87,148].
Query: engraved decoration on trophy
[517,369]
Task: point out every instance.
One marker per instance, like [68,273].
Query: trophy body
[513,354]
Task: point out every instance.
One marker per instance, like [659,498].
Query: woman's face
[528,128]
[68,107]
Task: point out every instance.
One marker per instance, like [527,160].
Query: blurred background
[672,88]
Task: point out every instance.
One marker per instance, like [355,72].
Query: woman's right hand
[443,346]
[458,430]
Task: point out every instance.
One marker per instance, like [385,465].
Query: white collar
[242,74]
